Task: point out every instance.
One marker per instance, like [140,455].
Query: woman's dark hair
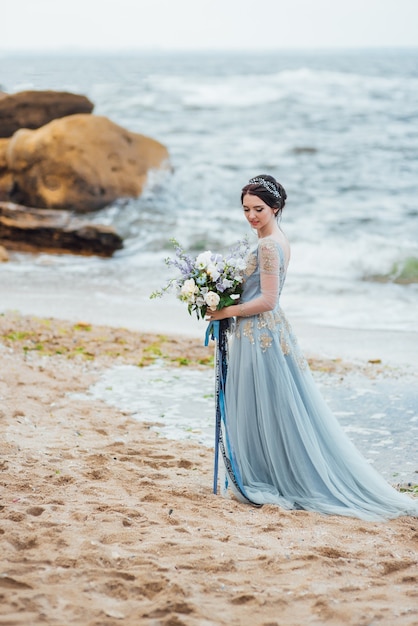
[268,190]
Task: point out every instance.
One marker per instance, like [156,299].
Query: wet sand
[104,522]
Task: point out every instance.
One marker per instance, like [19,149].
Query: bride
[280,442]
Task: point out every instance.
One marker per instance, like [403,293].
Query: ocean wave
[304,84]
[404,272]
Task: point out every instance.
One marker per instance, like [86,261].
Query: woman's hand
[222,314]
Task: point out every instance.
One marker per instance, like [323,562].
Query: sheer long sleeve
[269,264]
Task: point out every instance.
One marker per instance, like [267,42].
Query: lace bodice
[264,277]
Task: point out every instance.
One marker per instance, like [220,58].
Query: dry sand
[103,522]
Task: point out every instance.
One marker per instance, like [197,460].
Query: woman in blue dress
[281,444]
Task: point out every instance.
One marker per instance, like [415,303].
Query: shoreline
[168,316]
[121,524]
[72,336]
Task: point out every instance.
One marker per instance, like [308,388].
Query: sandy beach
[105,522]
[107,514]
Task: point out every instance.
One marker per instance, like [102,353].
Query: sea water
[338,129]
[379,415]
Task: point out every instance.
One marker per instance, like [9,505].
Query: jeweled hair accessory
[267,185]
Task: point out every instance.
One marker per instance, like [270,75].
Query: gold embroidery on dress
[247,330]
[266,320]
[288,342]
[251,264]
[269,263]
[273,321]
[265,341]
[262,323]
[284,342]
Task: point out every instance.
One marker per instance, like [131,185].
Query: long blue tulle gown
[281,443]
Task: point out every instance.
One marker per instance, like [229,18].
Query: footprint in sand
[24,542]
[35,511]
[97,474]
[395,566]
[332,553]
[243,599]
[7,582]
[172,607]
[14,516]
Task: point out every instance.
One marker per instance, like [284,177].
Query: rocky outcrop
[6,178]
[79,163]
[4,257]
[56,158]
[31,229]
[33,109]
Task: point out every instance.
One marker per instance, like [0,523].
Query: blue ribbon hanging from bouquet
[217,331]
[213,332]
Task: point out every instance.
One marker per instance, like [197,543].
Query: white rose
[234,296]
[188,290]
[212,300]
[189,286]
[203,260]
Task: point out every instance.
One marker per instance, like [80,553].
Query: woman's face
[259,214]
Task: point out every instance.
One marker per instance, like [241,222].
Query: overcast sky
[207,24]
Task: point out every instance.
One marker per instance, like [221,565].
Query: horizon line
[163,50]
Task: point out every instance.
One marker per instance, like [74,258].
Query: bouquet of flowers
[209,281]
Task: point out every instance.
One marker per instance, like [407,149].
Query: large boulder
[32,109]
[80,163]
[6,178]
[33,230]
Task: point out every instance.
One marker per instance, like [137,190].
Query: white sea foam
[300,85]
